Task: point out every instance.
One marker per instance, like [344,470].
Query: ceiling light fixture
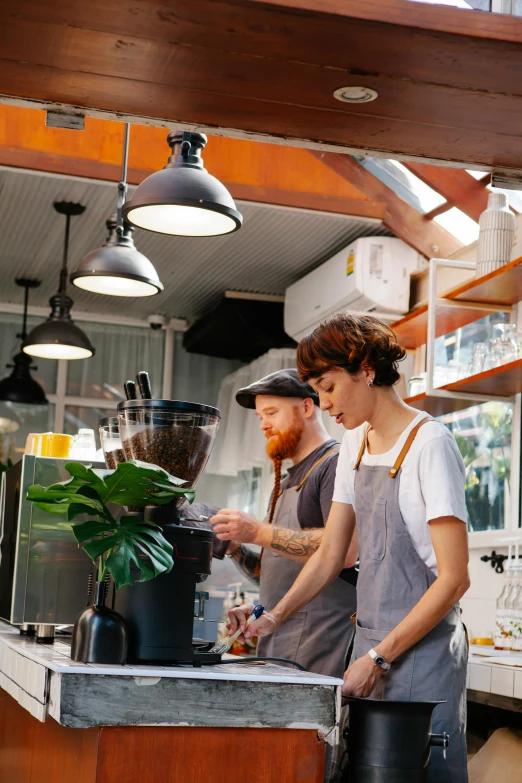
[117,268]
[20,387]
[356,94]
[183,199]
[59,337]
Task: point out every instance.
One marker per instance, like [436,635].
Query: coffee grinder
[178,436]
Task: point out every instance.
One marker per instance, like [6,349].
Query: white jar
[497,230]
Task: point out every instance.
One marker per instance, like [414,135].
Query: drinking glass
[478,360]
[111,443]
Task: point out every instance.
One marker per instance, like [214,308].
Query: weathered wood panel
[97,700]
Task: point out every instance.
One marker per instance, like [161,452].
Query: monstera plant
[115,546]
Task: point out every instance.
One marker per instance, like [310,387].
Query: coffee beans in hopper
[181,450]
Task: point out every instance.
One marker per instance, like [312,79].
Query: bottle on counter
[517,617]
[501,635]
[510,618]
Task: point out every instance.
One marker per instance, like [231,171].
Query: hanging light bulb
[59,337]
[183,198]
[117,268]
[20,387]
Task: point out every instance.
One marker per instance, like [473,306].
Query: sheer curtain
[198,378]
[240,445]
[121,352]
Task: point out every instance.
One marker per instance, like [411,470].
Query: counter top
[495,678]
[46,682]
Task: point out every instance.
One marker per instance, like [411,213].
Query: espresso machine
[45,578]
[178,436]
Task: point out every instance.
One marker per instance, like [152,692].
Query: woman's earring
[370,384]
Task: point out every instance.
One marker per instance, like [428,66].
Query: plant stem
[101,569]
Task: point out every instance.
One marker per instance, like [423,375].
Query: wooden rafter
[401,218]
[458,187]
[447,80]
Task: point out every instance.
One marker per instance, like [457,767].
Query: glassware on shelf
[417,384]
[478,359]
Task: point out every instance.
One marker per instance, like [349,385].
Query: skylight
[404,183]
[460,225]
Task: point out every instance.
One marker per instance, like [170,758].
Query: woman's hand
[361,677]
[237,618]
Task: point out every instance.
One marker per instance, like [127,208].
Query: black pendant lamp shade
[183,199]
[117,268]
[20,387]
[59,337]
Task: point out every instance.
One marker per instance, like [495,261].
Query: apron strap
[400,459]
[364,444]
[409,440]
[321,459]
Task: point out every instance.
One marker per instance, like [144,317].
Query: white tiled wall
[478,605]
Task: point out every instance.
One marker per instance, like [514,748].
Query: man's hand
[237,618]
[361,677]
[232,525]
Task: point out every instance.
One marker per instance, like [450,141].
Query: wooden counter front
[34,752]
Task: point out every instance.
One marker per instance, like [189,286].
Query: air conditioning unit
[370,275]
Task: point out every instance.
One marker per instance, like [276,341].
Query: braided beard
[282,445]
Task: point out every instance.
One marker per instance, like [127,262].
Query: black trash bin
[390,741]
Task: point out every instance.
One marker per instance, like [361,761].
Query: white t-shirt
[431,482]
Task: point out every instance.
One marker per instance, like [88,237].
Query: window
[484,434]
[121,352]
[404,183]
[460,225]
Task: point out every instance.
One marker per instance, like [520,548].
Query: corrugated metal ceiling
[275,247]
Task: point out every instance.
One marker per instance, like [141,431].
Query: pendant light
[20,386]
[183,198]
[59,337]
[117,268]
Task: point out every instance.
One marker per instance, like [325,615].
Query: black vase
[390,741]
[100,634]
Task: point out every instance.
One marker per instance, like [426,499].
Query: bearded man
[319,636]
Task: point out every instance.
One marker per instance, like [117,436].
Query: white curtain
[240,444]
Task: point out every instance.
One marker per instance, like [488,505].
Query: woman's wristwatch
[379,660]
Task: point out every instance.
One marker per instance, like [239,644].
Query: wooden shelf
[503,287]
[504,381]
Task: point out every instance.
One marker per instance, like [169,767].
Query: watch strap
[379,660]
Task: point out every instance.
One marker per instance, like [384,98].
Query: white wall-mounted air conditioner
[370,275]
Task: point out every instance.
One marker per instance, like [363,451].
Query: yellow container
[54,444]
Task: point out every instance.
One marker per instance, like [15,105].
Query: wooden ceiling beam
[401,218]
[456,185]
[447,80]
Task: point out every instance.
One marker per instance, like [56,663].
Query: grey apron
[317,637]
[392,579]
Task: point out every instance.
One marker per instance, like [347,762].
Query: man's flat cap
[283,383]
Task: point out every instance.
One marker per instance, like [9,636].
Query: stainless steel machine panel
[44,575]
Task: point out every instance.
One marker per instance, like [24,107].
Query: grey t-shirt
[315,496]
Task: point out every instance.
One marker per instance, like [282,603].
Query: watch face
[379,660]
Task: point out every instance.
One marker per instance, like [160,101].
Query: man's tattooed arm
[248,561]
[297,545]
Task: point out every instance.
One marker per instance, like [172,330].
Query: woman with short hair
[400,483]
